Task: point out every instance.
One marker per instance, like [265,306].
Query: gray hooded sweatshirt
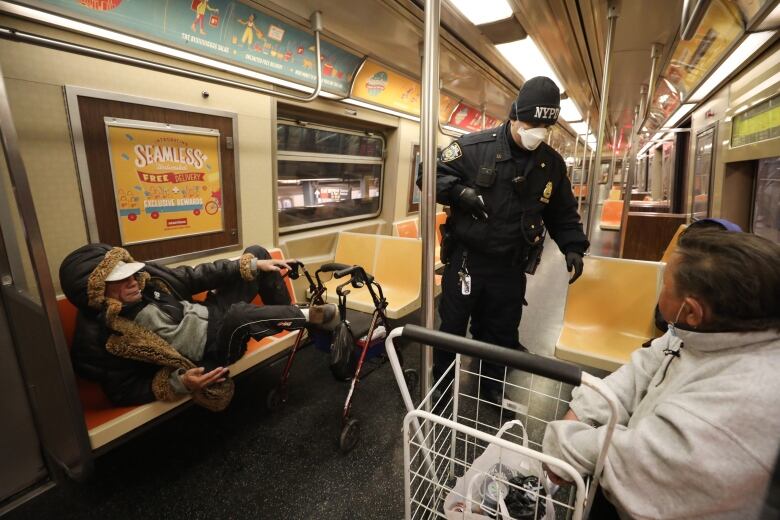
[698,427]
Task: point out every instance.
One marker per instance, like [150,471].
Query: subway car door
[42,430]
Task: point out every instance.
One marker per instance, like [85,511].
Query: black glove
[574,260]
[469,200]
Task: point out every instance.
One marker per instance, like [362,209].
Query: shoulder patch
[451,153]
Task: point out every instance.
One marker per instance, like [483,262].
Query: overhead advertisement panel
[469,118]
[379,85]
[226,30]
[694,59]
[446,106]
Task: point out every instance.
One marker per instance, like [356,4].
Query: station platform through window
[326,175]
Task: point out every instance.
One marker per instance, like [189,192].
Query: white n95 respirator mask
[531,137]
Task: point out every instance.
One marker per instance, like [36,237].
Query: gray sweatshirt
[698,432]
[188,336]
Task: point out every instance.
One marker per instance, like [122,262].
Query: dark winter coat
[133,364]
[516,221]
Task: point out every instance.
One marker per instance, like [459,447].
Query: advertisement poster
[693,59]
[226,30]
[167,181]
[380,86]
[469,118]
[446,106]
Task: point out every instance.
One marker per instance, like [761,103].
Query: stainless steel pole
[593,197]
[574,155]
[428,128]
[630,174]
[583,171]
[612,163]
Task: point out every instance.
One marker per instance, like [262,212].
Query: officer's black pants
[495,307]
[233,319]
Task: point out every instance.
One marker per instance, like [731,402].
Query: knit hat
[538,102]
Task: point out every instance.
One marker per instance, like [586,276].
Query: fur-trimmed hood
[83,274]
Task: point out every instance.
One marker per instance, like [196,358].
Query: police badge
[547,192]
[451,153]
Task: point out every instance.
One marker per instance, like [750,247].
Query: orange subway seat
[611,214]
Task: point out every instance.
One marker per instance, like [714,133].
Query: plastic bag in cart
[342,355]
[530,496]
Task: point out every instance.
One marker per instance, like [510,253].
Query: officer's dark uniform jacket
[516,221]
[131,363]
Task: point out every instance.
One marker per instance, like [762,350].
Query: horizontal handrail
[512,358]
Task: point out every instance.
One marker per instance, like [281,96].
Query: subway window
[766,209]
[326,175]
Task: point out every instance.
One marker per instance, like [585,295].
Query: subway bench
[409,228]
[107,423]
[609,312]
[395,263]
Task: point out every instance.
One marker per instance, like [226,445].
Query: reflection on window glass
[414,191]
[317,140]
[316,186]
[701,173]
[766,210]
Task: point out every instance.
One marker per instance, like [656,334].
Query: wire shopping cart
[468,458]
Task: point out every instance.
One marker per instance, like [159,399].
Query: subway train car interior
[382,259]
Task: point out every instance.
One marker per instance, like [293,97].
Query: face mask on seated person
[531,137]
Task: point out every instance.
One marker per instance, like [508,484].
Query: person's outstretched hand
[271,265]
[574,261]
[195,379]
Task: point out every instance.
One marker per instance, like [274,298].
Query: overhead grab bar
[12,34]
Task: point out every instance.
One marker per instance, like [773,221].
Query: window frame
[297,156]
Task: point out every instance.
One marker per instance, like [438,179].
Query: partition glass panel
[766,208]
[702,171]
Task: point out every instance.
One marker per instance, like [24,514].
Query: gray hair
[737,275]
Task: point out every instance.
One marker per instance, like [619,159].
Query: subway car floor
[249,463]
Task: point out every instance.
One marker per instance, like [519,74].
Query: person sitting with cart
[143,338]
[698,415]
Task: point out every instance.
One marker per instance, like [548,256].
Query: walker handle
[333,266]
[347,271]
[539,365]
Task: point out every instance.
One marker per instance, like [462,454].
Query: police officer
[506,189]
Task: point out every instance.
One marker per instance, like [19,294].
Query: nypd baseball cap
[123,270]
[538,102]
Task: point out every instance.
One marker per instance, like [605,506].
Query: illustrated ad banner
[226,30]
[380,86]
[446,107]
[469,118]
[167,183]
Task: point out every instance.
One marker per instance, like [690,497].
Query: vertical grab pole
[612,16]
[611,177]
[582,166]
[630,175]
[574,154]
[428,134]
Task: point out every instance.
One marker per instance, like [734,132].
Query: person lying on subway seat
[699,415]
[143,338]
[506,188]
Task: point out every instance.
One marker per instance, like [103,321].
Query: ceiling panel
[572,33]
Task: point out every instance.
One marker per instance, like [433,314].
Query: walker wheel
[276,397]
[412,378]
[349,435]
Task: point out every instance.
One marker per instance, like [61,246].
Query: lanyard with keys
[465,277]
